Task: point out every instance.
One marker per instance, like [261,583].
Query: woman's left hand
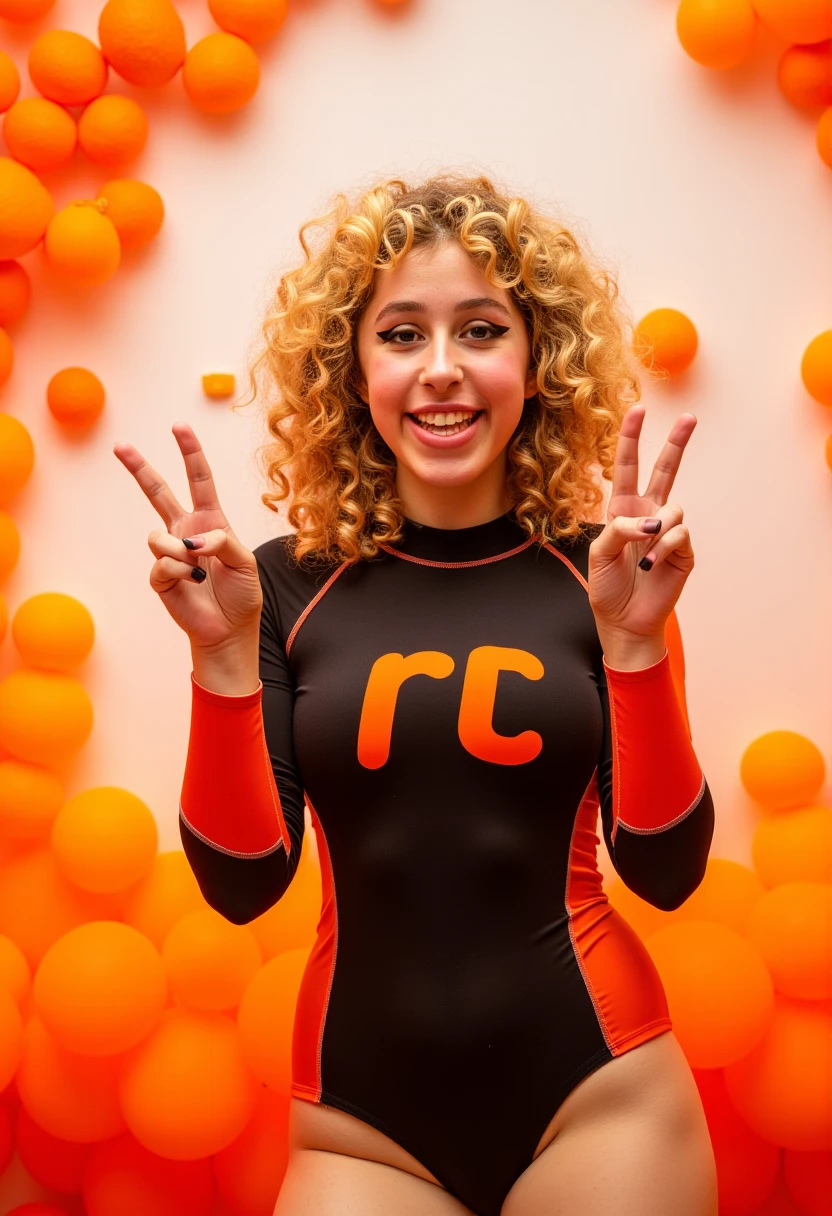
[632,604]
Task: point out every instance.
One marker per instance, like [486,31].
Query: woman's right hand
[224,605]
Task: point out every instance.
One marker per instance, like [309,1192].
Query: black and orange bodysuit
[446,713]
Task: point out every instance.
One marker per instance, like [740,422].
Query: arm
[656,807]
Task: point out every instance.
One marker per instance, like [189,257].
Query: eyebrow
[462,306]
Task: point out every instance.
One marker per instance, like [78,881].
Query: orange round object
[15,292]
[40,133]
[210,961]
[642,917]
[266,1018]
[67,67]
[816,368]
[168,893]
[45,717]
[23,12]
[782,769]
[53,631]
[6,356]
[719,992]
[823,139]
[249,1173]
[17,456]
[292,923]
[82,245]
[75,396]
[797,20]
[15,972]
[221,73]
[666,339]
[9,80]
[135,209]
[113,130]
[124,1179]
[746,1166]
[72,1097]
[105,839]
[726,896]
[795,846]
[808,1179]
[781,1088]
[804,75]
[26,207]
[143,40]
[11,1037]
[791,926]
[186,1092]
[30,798]
[254,20]
[52,1162]
[716,33]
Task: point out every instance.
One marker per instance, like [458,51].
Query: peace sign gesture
[636,570]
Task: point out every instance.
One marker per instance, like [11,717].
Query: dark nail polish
[652,525]
[646,563]
[189,544]
[198,574]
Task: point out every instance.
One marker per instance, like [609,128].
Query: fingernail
[651,525]
[198,574]
[647,562]
[193,542]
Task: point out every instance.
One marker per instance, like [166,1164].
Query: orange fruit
[666,340]
[15,292]
[816,368]
[67,67]
[40,133]
[254,20]
[26,207]
[82,245]
[797,20]
[9,81]
[24,11]
[135,209]
[143,40]
[113,130]
[221,73]
[804,75]
[823,138]
[75,396]
[6,356]
[716,35]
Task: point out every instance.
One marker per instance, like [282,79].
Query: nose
[441,366]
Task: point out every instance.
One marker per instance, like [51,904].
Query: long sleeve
[656,808]
[241,814]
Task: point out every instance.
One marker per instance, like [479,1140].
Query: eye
[492,331]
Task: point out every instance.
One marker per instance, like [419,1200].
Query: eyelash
[496,332]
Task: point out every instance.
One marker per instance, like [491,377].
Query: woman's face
[436,340]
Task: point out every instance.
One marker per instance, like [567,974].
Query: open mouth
[453,427]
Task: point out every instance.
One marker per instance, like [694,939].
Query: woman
[453,664]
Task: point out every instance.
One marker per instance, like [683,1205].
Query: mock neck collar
[490,539]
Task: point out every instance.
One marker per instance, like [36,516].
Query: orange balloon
[26,207]
[782,769]
[666,339]
[221,73]
[716,33]
[15,292]
[727,895]
[70,1096]
[746,1165]
[808,1178]
[11,1037]
[640,915]
[135,208]
[15,973]
[52,1162]
[249,1173]
[816,368]
[105,839]
[168,893]
[143,40]
[804,75]
[791,926]
[9,80]
[82,245]
[823,139]
[40,133]
[67,67]
[292,923]
[797,20]
[186,1092]
[266,1019]
[6,356]
[781,1087]
[795,846]
[17,457]
[209,961]
[113,130]
[75,397]
[53,631]
[124,1179]
[24,11]
[254,20]
[30,798]
[719,993]
[45,717]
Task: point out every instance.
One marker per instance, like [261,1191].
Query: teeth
[445,419]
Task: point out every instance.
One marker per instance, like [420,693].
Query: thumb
[622,531]
[221,543]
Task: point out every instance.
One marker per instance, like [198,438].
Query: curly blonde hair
[325,453]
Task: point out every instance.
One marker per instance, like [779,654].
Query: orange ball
[186,1092]
[782,769]
[168,893]
[266,1018]
[808,1179]
[221,73]
[26,207]
[209,961]
[123,1178]
[9,80]
[15,973]
[716,33]
[719,993]
[727,895]
[135,209]
[823,139]
[666,340]
[781,1087]
[52,1162]
[24,11]
[791,926]
[113,130]
[45,717]
[67,67]
[254,20]
[17,457]
[6,356]
[105,839]
[15,292]
[53,631]
[82,245]
[11,1037]
[797,20]
[40,133]
[75,397]
[30,798]
[795,846]
[804,75]
[70,1096]
[249,1173]
[816,368]
[292,923]
[143,40]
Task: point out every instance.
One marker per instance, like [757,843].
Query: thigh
[322,1183]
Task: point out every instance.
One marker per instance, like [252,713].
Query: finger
[200,479]
[167,572]
[223,544]
[162,544]
[675,544]
[625,466]
[669,459]
[626,529]
[157,491]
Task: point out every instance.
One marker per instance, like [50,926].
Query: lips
[444,441]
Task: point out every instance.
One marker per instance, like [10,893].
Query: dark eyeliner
[499,330]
